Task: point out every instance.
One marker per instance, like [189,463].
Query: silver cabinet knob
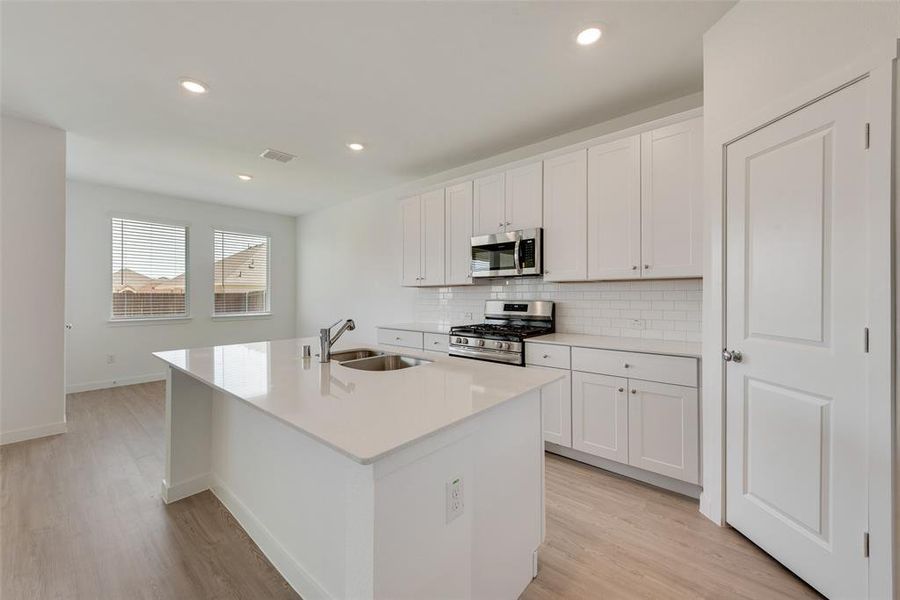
[634,267]
[397,338]
[732,356]
[626,365]
[546,356]
[621,389]
[633,391]
[507,223]
[500,224]
[646,266]
[436,343]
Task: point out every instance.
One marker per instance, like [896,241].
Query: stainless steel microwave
[510,254]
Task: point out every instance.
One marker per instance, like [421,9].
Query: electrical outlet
[638,324]
[110,359]
[453,492]
[468,316]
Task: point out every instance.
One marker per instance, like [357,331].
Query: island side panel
[188,435]
[488,550]
[307,506]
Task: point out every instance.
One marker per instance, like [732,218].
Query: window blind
[241,273]
[149,276]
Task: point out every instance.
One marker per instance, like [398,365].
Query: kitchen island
[424,482]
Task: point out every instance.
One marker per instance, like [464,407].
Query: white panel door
[490,204]
[664,429]
[671,200]
[432,271]
[524,197]
[556,406]
[565,217]
[614,210]
[600,415]
[458,232]
[411,217]
[796,305]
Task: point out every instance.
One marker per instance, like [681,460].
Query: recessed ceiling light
[193,86]
[589,36]
[244,177]
[355,146]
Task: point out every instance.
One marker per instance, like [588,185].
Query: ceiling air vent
[278,155]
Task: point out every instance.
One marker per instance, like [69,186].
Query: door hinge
[868,128]
[866,544]
[866,340]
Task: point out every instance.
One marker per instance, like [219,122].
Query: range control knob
[479,342]
[503,346]
[465,340]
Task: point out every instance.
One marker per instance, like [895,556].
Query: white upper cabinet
[458,234]
[614,210]
[565,217]
[411,215]
[489,204]
[524,197]
[432,238]
[423,239]
[671,200]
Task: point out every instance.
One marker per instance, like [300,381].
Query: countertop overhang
[362,414]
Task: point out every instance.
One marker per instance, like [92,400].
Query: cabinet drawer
[399,337]
[437,342]
[635,365]
[547,355]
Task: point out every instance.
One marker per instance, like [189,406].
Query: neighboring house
[241,285]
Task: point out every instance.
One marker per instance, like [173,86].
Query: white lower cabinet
[600,415]
[663,429]
[556,407]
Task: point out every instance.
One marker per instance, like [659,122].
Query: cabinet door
[556,407]
[671,201]
[614,210]
[565,217]
[432,271]
[411,216]
[458,242]
[489,203]
[524,197]
[663,429]
[600,415]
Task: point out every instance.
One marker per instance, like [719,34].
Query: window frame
[267,313]
[114,320]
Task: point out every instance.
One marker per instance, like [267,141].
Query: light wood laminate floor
[81,517]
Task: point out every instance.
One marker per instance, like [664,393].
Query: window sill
[148,321]
[240,316]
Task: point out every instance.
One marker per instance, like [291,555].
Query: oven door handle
[517,261]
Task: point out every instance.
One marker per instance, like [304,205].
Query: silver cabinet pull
[621,389]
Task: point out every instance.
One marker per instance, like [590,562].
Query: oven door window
[494,257]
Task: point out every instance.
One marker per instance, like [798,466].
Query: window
[149,278]
[241,275]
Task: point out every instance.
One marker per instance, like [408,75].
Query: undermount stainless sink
[385,362]
[354,354]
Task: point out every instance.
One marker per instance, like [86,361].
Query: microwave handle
[516,258]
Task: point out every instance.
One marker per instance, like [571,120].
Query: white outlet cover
[454,501]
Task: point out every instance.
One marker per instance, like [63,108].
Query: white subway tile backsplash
[650,309]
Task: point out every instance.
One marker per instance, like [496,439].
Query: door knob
[732,356]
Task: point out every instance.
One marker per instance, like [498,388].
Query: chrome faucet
[326,340]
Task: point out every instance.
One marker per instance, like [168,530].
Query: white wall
[88,249]
[349,255]
[32,264]
[761,60]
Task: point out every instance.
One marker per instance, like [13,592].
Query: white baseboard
[111,383]
[174,493]
[30,433]
[294,573]
[667,483]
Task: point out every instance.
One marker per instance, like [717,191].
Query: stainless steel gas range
[501,338]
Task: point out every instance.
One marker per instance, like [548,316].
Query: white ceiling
[426,86]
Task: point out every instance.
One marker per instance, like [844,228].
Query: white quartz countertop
[363,414]
[424,327]
[670,347]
